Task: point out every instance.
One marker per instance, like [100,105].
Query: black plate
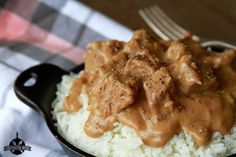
[39,96]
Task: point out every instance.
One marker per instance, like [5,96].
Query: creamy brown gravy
[158,88]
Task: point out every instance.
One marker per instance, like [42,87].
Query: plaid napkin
[36,31]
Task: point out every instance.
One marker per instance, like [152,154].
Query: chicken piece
[157,89]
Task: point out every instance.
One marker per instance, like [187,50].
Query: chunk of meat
[140,40]
[175,52]
[183,70]
[157,88]
[191,76]
[138,69]
[117,63]
[217,60]
[144,44]
[185,73]
[208,78]
[192,46]
[148,57]
[100,53]
[185,46]
[113,96]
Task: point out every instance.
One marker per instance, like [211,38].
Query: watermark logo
[17,146]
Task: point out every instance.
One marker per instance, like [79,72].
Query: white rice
[123,141]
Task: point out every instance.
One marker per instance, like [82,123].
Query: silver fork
[167,29]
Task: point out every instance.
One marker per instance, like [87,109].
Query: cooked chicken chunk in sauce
[159,88]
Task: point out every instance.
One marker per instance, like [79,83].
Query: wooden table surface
[213,19]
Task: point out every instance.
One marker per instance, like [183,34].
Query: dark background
[214,19]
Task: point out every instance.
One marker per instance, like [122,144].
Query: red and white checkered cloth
[36,31]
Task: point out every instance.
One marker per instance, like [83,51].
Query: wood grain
[214,19]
